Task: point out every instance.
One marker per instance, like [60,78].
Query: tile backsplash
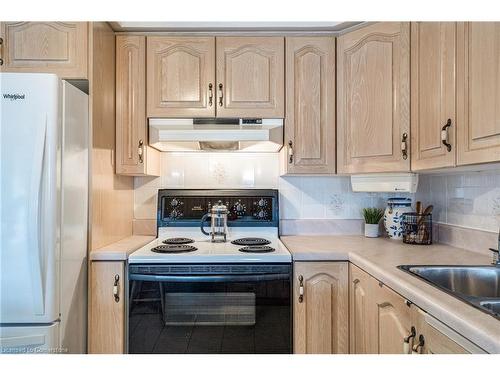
[301,197]
[466,199]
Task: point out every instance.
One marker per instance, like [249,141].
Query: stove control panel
[244,207]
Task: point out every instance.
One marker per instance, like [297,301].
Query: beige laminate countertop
[120,250]
[380,257]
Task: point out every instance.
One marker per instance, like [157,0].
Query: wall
[328,203]
[466,199]
[467,204]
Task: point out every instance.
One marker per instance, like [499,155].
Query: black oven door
[210,309]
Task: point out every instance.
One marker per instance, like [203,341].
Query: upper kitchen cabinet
[321,308]
[373,97]
[478,92]
[250,77]
[181,76]
[433,95]
[133,155]
[44,47]
[310,106]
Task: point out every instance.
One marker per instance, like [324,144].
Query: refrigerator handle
[36,260]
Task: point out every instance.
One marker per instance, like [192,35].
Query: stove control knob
[174,214]
[239,208]
[261,202]
[262,214]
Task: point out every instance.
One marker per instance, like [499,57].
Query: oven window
[210,317]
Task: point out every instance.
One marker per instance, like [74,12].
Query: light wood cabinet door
[250,77]
[433,94]
[373,97]
[380,319]
[478,92]
[362,331]
[439,338]
[310,105]
[45,47]
[107,308]
[321,316]
[133,155]
[181,76]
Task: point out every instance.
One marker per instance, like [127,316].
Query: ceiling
[231,26]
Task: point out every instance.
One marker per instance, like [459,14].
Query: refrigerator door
[74,183]
[30,339]
[29,136]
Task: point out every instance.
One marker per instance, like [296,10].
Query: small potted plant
[372,217]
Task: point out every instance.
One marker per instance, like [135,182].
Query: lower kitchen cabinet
[383,322]
[321,307]
[439,338]
[380,319]
[107,308]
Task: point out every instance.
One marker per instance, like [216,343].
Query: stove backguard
[247,207]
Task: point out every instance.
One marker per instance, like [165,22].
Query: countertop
[120,250]
[380,256]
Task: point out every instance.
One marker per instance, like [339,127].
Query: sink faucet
[496,257]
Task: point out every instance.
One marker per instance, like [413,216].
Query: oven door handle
[208,278]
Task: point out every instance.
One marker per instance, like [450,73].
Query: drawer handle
[417,348]
[1,51]
[210,94]
[221,95]
[444,135]
[301,289]
[406,341]
[116,293]
[140,151]
[290,152]
[404,146]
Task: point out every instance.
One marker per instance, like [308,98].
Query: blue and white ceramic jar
[393,216]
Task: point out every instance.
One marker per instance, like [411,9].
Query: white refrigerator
[44,140]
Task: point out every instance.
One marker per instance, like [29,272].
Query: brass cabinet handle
[404,146]
[406,340]
[221,95]
[210,94]
[140,151]
[444,135]
[301,289]
[417,348]
[290,152]
[1,51]
[116,293]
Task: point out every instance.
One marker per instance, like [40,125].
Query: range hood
[385,182]
[214,134]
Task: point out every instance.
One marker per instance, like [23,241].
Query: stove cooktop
[269,250]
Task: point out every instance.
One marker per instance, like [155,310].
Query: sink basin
[476,285]
[493,306]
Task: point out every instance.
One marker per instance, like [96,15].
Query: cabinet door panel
[251,72]
[321,318]
[310,105]
[478,92]
[107,316]
[45,47]
[134,156]
[433,93]
[373,98]
[180,71]
[362,330]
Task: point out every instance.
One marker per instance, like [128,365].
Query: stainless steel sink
[476,285]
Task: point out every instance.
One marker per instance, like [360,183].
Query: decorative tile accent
[467,199]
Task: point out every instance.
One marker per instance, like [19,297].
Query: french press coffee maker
[218,214]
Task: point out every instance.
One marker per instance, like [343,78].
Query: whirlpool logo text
[14,96]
